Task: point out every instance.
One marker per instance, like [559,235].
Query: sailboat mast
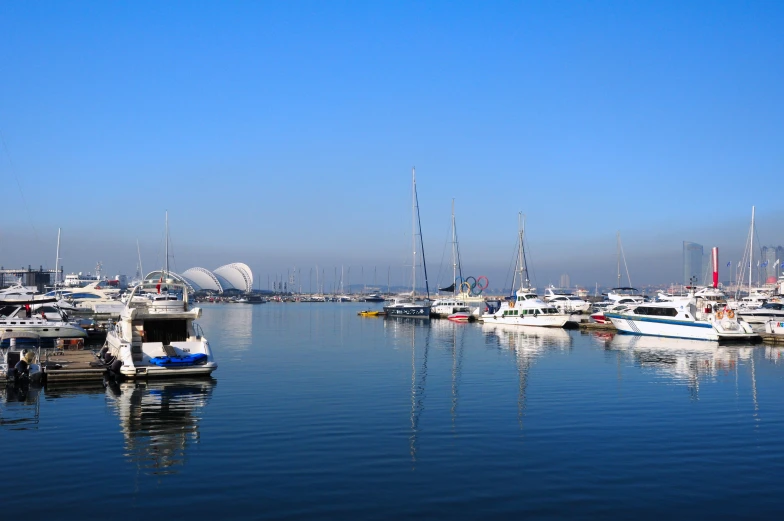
[166,272]
[520,260]
[139,253]
[751,247]
[618,244]
[57,261]
[454,251]
[413,230]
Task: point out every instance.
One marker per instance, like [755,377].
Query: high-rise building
[770,262]
[692,263]
[566,281]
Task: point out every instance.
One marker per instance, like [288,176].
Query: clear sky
[283,134]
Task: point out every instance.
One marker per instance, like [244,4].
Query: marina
[338,261]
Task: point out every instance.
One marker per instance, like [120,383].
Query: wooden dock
[72,366]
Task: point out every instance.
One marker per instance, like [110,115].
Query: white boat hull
[542,320]
[695,330]
[774,327]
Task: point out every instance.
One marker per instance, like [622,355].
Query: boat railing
[197,331]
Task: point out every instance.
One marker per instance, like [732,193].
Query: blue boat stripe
[636,318]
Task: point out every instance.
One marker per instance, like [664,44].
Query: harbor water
[316,413]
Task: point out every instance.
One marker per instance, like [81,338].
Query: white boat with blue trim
[693,318]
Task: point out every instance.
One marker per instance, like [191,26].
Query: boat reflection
[526,341]
[679,358]
[159,420]
[19,407]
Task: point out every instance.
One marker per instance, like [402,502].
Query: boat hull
[422,312]
[693,330]
[527,320]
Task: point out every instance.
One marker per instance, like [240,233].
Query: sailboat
[447,306]
[408,305]
[525,308]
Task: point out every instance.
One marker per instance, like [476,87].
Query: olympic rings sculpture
[472,285]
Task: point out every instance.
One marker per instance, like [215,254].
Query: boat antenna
[421,240]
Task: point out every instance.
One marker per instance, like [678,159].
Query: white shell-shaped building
[236,275]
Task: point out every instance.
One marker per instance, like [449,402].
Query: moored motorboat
[159,338]
[525,308]
[20,318]
[18,354]
[460,314]
[694,318]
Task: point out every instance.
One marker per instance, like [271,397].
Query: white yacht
[769,311]
[159,338]
[95,298]
[17,292]
[20,318]
[566,301]
[695,318]
[525,308]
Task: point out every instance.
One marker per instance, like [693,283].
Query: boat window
[166,331]
[84,295]
[657,312]
[515,312]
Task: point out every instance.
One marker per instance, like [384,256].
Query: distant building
[565,281]
[770,261]
[692,262]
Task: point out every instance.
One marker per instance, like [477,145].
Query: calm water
[316,413]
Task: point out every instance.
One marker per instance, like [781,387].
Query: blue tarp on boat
[178,361]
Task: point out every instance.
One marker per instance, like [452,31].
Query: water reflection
[683,361]
[527,343]
[159,420]
[19,407]
[236,325]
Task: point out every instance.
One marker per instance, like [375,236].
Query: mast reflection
[527,343]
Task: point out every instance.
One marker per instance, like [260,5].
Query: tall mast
[166,272]
[57,261]
[521,255]
[139,253]
[454,250]
[413,230]
[618,243]
[751,247]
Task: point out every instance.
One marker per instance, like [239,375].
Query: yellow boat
[369,313]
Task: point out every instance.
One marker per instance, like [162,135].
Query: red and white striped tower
[715,259]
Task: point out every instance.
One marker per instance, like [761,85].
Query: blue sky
[283,134]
